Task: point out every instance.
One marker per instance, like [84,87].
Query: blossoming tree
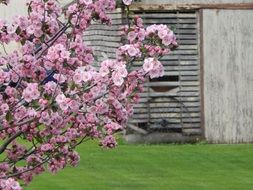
[52,98]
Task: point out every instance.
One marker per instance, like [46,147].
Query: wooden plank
[190,89]
[192,132]
[89,33]
[104,38]
[174,62]
[185,116]
[167,7]
[165,15]
[189,78]
[179,102]
[137,129]
[170,21]
[184,31]
[168,67]
[180,57]
[191,125]
[167,110]
[182,52]
[183,83]
[108,44]
[172,105]
[179,99]
[191,120]
[162,84]
[178,26]
[187,47]
[114,21]
[102,27]
[181,95]
[185,62]
[168,126]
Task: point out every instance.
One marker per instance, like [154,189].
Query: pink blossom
[30,29]
[4,108]
[162,33]
[104,71]
[148,64]
[167,40]
[117,78]
[142,34]
[132,51]
[11,29]
[61,98]
[50,87]
[86,76]
[72,8]
[132,36]
[65,54]
[60,78]
[31,92]
[9,184]
[74,159]
[45,118]
[112,127]
[78,78]
[74,105]
[46,147]
[127,2]
[109,142]
[86,2]
[89,58]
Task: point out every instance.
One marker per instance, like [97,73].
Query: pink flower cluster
[163,32]
[53,97]
[116,68]
[31,92]
[129,50]
[39,25]
[109,142]
[9,184]
[127,2]
[57,52]
[153,67]
[81,75]
[112,127]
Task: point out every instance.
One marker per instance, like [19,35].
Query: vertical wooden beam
[202,72]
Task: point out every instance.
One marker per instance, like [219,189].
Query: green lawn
[156,167]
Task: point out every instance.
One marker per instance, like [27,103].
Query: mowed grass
[155,167]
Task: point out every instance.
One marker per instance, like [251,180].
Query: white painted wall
[228,75]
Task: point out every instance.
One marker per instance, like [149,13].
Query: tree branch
[6,143]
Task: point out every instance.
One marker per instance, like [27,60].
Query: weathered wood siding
[228,75]
[105,39]
[172,103]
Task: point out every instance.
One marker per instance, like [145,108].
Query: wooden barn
[207,90]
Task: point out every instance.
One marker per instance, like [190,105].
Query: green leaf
[9,116]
